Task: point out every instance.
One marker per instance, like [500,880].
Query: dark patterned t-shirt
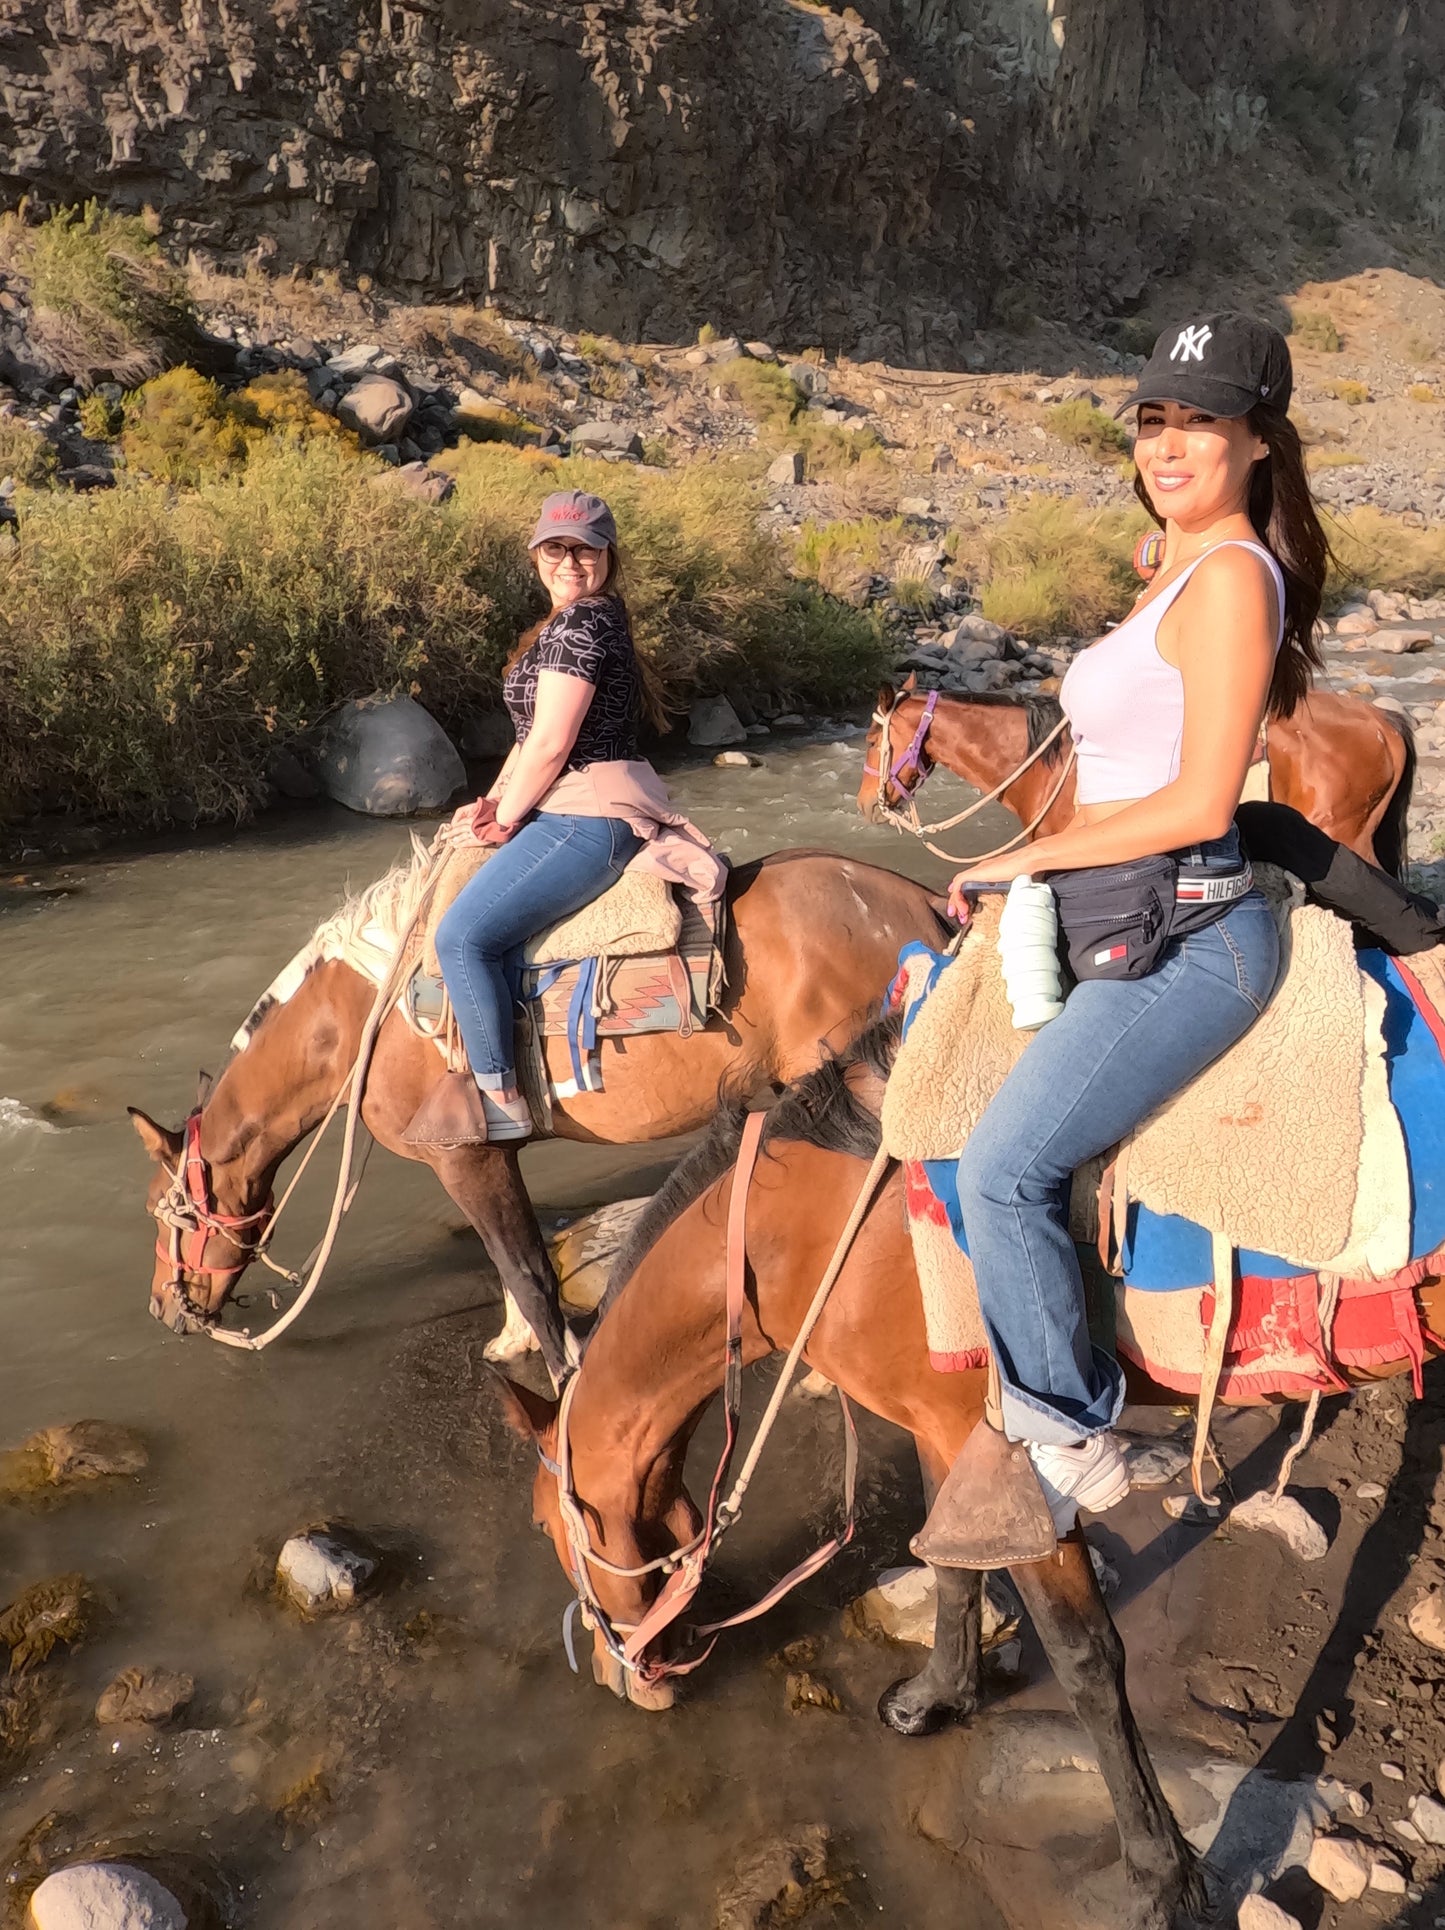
[590,639]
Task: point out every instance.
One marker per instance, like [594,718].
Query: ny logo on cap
[1191,344]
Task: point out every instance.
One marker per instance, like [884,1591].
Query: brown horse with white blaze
[1341,762]
[813,941]
[656,1360]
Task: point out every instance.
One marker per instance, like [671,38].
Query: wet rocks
[1426,1620]
[321,1571]
[377,409]
[804,1690]
[900,1606]
[105,1896]
[60,1610]
[712,721]
[779,1883]
[737,761]
[1401,643]
[70,1455]
[145,1695]
[1285,1517]
[387,757]
[1340,1866]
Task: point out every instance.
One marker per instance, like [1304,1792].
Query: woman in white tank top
[1165,712]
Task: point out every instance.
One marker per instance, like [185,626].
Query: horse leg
[1084,1649]
[487,1185]
[946,1688]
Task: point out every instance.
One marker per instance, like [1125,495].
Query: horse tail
[1391,831]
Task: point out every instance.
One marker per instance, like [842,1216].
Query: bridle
[188,1219]
[683,1567]
[908,772]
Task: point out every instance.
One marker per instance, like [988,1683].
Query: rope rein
[908,820]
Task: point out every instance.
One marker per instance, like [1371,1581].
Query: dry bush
[530,395]
[106,303]
[102,417]
[26,455]
[1373,551]
[1345,390]
[1051,568]
[1331,459]
[1082,426]
[1421,392]
[182,428]
[838,555]
[1417,346]
[612,381]
[1313,328]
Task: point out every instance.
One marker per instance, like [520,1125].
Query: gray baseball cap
[571,514]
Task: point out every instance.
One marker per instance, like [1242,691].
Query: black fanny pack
[1116,919]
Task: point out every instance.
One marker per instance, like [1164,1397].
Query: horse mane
[1042,713]
[382,909]
[820,1109]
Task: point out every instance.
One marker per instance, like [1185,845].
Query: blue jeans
[552,867]
[1116,1052]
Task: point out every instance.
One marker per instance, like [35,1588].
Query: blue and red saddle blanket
[1164,1265]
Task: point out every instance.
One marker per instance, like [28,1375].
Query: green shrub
[101,417]
[599,348]
[1373,551]
[706,335]
[915,594]
[768,393]
[1084,427]
[106,300]
[1051,568]
[1421,392]
[179,429]
[1344,390]
[26,455]
[1312,328]
[836,554]
[281,405]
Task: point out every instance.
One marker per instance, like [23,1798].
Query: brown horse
[1342,763]
[813,941]
[656,1360]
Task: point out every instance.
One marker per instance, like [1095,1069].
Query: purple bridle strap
[912,754]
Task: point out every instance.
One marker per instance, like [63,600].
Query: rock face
[873,178]
[104,1896]
[388,757]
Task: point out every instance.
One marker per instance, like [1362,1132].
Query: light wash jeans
[553,866]
[1117,1051]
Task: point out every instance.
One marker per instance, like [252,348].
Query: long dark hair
[655,705]
[1282,509]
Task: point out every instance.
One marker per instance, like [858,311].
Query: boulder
[365,359]
[1387,605]
[808,377]
[967,649]
[321,1571]
[900,1606]
[321,380]
[1258,1913]
[977,629]
[145,1695]
[378,409]
[1340,1866]
[104,1896]
[1426,1620]
[761,351]
[1401,643]
[786,469]
[605,438]
[1427,1814]
[712,721]
[426,485]
[387,757]
[1286,1518]
[1356,623]
[919,507]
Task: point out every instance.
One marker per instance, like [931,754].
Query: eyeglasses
[554,552]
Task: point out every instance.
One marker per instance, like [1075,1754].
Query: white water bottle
[1028,949]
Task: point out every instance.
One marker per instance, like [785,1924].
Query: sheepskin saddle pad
[1313,1152]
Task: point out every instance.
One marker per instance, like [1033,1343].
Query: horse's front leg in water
[1086,1654]
[486,1184]
[946,1687]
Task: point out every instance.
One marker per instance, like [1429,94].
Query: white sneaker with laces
[1092,1474]
[506,1118]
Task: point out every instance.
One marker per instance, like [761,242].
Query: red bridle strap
[192,1218]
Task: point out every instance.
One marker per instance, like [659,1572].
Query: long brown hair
[655,706]
[1282,510]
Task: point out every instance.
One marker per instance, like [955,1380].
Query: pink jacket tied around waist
[673,847]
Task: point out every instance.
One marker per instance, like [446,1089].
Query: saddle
[634,960]
[1264,1229]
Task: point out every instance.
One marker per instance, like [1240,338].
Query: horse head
[897,739]
[621,1525]
[210,1218]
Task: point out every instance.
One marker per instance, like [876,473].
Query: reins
[684,1567]
[186,1209]
[912,758]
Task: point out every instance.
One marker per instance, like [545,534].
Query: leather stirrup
[451,1115]
[990,1511]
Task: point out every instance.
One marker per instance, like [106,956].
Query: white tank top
[1125,704]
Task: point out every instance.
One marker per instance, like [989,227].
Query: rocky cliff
[879,179]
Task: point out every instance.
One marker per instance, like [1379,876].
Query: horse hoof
[650,1695]
[913,1715]
[510,1346]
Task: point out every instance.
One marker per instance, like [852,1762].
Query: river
[427,1760]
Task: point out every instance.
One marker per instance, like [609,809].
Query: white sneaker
[1092,1475]
[506,1118]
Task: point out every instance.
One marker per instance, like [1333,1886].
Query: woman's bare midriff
[1110,808]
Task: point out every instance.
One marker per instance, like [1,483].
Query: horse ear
[204,1083]
[159,1141]
[529,1415]
[910,682]
[886,696]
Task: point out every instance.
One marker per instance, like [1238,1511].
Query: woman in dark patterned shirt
[573,688]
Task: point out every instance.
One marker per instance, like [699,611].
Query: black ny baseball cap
[1224,363]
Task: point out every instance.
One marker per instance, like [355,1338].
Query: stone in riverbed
[736,761]
[900,1607]
[1284,1517]
[104,1896]
[145,1695]
[1401,643]
[1356,623]
[779,1882]
[65,1455]
[62,1609]
[388,757]
[320,1571]
[712,721]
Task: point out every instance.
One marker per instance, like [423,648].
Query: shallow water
[427,1760]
